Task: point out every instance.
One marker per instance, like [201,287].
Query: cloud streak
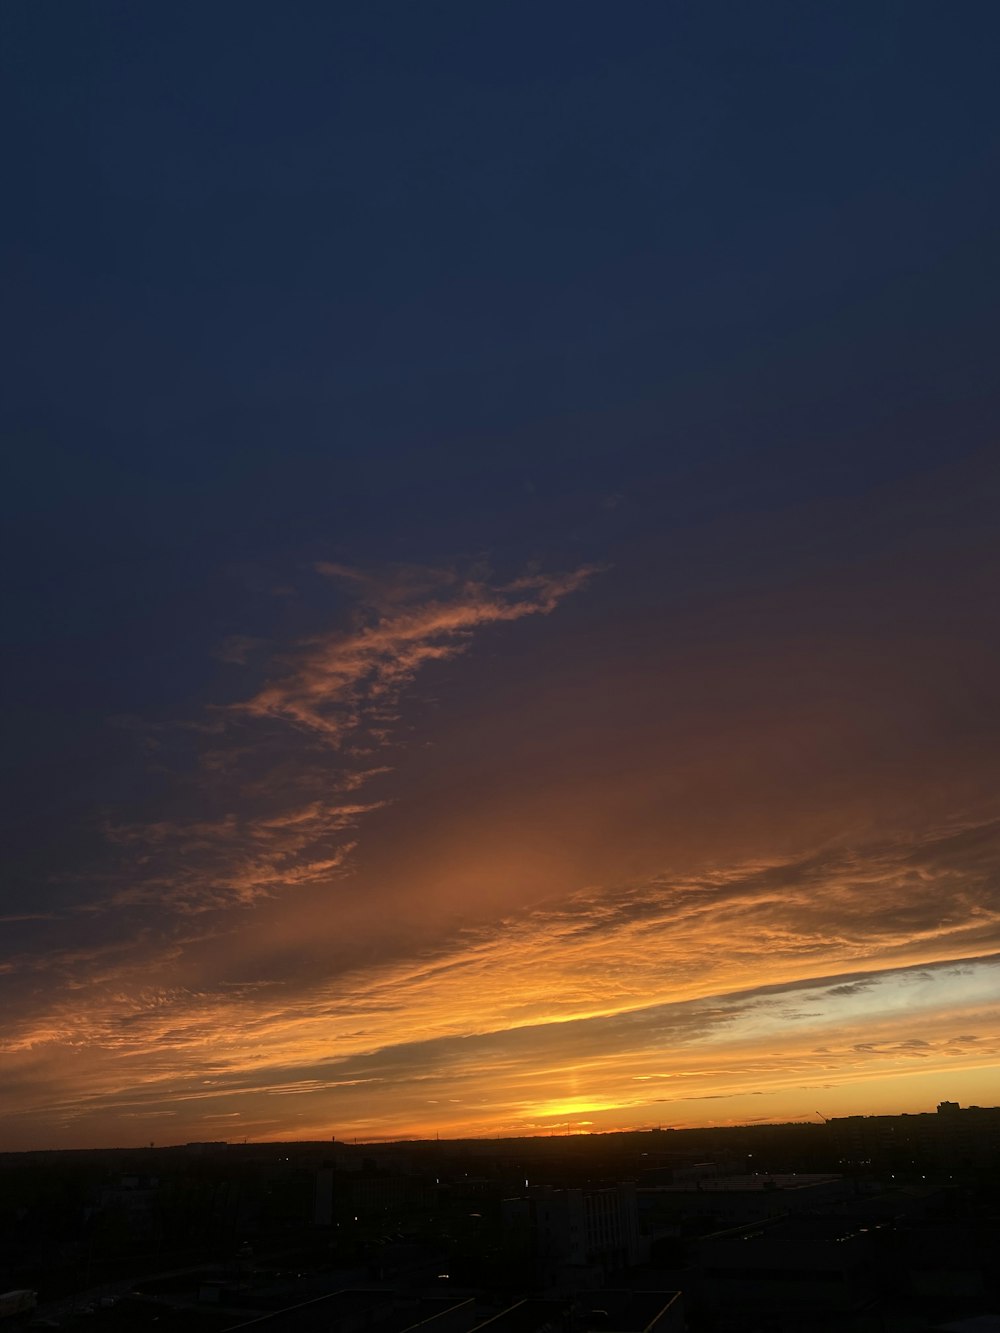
[338,681]
[749,1043]
[320,925]
[281,819]
[622,998]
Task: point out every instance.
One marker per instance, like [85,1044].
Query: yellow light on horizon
[569,1106]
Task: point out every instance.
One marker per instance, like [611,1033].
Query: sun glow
[572,1106]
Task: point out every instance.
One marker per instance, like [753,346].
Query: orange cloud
[333,683]
[632,877]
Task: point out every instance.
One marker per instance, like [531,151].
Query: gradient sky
[501,564]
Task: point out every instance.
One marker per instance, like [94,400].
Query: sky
[501,566]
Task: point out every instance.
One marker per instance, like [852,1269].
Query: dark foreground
[865,1225]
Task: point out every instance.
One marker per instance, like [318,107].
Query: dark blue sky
[443,281]
[702,295]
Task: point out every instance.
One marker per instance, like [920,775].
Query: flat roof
[389,1313]
[744,1184]
[613,1311]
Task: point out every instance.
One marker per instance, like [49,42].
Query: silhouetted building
[693,1207]
[599,1312]
[953,1136]
[802,1276]
[580,1228]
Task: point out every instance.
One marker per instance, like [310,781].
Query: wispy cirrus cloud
[327,937]
[228,1058]
[605,987]
[332,684]
[236,860]
[282,810]
[259,813]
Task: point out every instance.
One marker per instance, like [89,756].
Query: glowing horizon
[334,963]
[502,564]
